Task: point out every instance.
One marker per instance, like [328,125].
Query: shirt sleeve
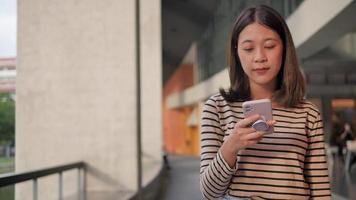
[315,167]
[215,173]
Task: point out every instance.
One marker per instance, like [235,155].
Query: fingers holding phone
[257,122]
[243,135]
[263,108]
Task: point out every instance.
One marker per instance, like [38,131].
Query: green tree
[7,118]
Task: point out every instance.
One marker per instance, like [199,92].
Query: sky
[8,28]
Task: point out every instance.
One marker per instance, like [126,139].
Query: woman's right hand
[241,137]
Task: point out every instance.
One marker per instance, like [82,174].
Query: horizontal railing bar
[13,178]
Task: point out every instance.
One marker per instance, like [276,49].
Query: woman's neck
[261,92]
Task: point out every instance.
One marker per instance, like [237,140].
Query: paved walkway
[343,183]
[182,178]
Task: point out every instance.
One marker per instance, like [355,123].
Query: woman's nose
[260,55]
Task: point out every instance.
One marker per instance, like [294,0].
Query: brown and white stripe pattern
[288,164]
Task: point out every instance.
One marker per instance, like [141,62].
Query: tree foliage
[7,118]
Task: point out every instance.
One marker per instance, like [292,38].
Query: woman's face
[260,50]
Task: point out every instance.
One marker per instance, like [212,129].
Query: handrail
[13,178]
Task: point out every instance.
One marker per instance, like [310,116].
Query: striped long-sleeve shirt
[287,164]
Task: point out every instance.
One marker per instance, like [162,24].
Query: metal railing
[13,178]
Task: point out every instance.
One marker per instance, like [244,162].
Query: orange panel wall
[178,137]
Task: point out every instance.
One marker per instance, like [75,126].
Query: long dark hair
[290,82]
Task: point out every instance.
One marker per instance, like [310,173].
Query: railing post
[79,194]
[84,182]
[79,184]
[35,189]
[60,186]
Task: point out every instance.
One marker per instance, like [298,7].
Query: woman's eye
[270,47]
[248,49]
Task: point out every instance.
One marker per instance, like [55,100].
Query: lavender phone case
[262,107]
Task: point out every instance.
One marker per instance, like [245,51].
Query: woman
[238,162]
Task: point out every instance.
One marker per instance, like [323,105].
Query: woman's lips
[261,71]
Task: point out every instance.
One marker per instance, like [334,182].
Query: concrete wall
[151,85]
[312,31]
[346,46]
[76,92]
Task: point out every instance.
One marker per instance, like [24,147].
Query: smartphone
[263,107]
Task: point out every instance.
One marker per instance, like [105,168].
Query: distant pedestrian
[345,136]
[166,161]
